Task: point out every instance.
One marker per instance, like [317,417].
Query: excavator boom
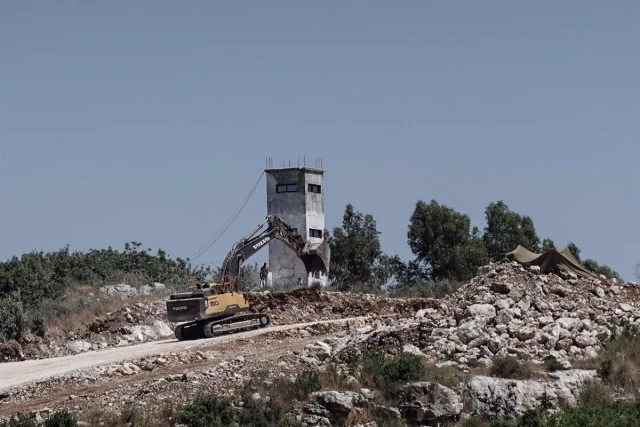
[315,257]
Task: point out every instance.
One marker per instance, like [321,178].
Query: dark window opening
[315,232]
[286,188]
[314,188]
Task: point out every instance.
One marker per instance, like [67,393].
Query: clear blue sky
[151,121]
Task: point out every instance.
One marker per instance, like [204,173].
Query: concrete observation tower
[296,194]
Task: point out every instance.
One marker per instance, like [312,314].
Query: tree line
[34,283]
[444,244]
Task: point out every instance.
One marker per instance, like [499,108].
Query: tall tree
[575,251]
[505,230]
[601,269]
[592,265]
[356,254]
[548,245]
[442,239]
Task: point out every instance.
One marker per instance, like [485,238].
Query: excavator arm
[315,257]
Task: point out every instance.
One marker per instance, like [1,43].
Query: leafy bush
[22,420]
[618,414]
[308,382]
[61,419]
[388,373]
[13,323]
[404,368]
[37,281]
[58,419]
[207,411]
[510,367]
[214,411]
[40,276]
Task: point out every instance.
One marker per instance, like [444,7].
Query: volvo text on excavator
[219,307]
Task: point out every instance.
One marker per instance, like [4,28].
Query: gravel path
[19,373]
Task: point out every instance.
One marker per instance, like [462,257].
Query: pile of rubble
[123,291]
[131,324]
[510,310]
[302,305]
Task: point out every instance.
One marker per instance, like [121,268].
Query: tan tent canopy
[551,261]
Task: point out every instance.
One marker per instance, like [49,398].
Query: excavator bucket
[316,257]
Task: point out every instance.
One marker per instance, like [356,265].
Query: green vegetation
[388,373]
[356,255]
[618,414]
[58,419]
[308,382]
[32,287]
[214,411]
[619,360]
[447,249]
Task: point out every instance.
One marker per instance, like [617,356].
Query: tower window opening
[286,188]
[314,188]
[313,232]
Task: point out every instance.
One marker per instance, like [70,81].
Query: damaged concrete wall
[297,196]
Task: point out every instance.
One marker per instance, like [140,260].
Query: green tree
[592,265]
[505,230]
[601,269]
[575,251]
[13,323]
[356,255]
[548,245]
[442,240]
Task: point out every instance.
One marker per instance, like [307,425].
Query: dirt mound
[307,304]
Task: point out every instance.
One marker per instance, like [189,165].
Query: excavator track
[211,328]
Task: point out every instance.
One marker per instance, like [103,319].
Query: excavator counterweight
[221,307]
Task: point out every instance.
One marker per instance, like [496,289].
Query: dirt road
[19,373]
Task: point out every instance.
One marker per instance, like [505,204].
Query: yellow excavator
[221,307]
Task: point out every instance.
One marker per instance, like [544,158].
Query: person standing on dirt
[264,271]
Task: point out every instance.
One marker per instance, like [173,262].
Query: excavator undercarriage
[222,307]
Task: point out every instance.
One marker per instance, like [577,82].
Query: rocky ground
[146,321]
[510,310]
[507,310]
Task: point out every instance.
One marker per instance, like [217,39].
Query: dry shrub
[511,367]
[620,360]
[447,376]
[594,393]
[332,379]
[426,290]
[131,416]
[587,364]
[363,416]
[81,307]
